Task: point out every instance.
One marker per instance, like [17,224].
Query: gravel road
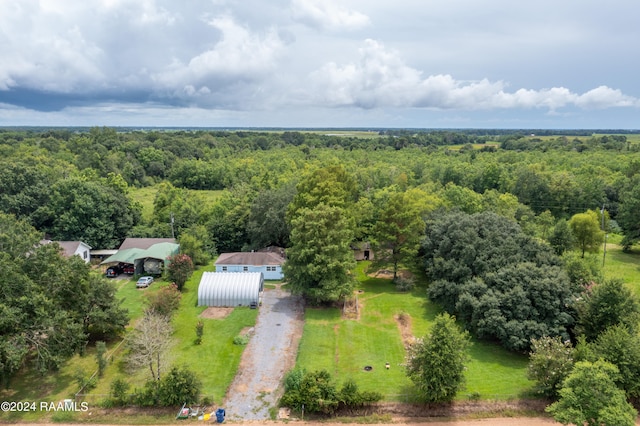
[270,353]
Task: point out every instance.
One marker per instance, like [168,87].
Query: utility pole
[173,235]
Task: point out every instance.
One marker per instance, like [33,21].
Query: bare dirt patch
[388,275]
[382,273]
[352,308]
[216,312]
[404,325]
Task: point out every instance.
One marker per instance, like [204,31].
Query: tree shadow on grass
[30,385]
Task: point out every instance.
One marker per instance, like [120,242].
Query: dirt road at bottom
[270,353]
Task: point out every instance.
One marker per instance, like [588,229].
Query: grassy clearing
[146,196]
[344,346]
[618,264]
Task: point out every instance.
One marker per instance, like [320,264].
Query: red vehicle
[128,269]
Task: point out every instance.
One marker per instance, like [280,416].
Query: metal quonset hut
[230,288]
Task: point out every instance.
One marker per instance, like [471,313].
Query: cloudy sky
[321,63]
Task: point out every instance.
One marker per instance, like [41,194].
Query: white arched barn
[230,289]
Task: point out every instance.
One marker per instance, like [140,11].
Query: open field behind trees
[624,265]
[147,194]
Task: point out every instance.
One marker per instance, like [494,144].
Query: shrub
[550,362]
[118,392]
[180,269]
[316,392]
[179,386]
[199,332]
[85,384]
[404,283]
[165,301]
[241,339]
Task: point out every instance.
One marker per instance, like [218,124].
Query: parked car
[113,271]
[144,282]
[128,269]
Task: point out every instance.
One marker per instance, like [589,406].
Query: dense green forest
[73,185]
[491,218]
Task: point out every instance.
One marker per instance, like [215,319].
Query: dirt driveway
[270,353]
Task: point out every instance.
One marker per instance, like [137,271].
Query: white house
[269,263]
[75,248]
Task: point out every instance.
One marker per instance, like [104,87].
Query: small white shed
[230,289]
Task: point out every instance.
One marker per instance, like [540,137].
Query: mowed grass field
[345,346]
[622,265]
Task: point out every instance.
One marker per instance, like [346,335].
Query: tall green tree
[320,259]
[97,213]
[50,306]
[621,347]
[586,231]
[196,243]
[589,396]
[267,223]
[561,238]
[605,305]
[398,230]
[437,362]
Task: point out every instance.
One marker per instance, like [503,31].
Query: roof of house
[68,247]
[143,243]
[250,258]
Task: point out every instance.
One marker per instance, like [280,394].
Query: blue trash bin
[220,413]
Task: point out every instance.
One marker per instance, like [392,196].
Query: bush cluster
[180,385]
[318,394]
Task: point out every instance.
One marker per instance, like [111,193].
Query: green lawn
[618,264]
[146,196]
[345,346]
[216,360]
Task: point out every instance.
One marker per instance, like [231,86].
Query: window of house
[224,269]
[84,254]
[245,268]
[271,268]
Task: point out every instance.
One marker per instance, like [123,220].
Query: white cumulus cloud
[380,78]
[239,57]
